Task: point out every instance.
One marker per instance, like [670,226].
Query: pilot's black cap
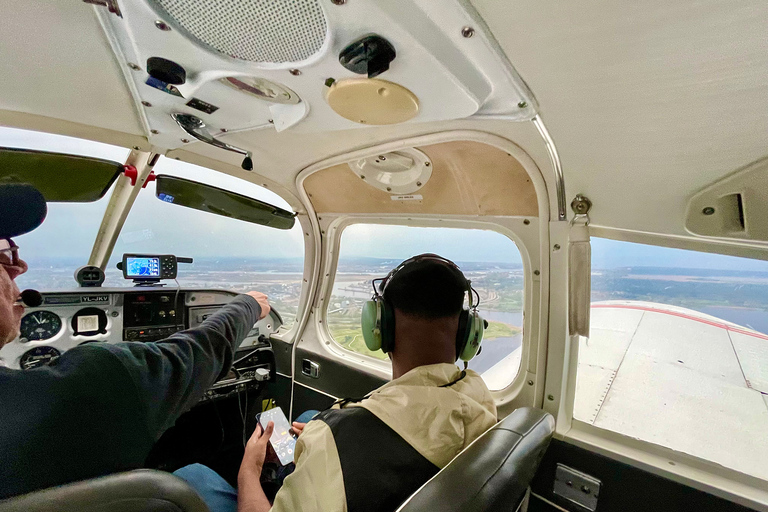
[22,209]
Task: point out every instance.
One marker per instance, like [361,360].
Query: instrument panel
[67,319]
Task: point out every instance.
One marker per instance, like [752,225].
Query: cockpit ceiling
[467,178]
[647,102]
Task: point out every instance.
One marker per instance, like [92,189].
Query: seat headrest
[492,473]
[143,490]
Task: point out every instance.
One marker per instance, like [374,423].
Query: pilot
[100,407]
[371,454]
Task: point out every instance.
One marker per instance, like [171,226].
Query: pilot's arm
[171,375]
[317,484]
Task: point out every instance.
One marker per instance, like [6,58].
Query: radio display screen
[142,267]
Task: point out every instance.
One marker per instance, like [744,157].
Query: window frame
[689,470]
[523,236]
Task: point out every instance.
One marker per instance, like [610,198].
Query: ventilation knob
[369,55]
[166,71]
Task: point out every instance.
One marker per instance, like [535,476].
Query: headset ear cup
[369,321]
[387,327]
[475,330]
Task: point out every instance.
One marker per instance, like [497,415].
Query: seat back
[493,473]
[143,490]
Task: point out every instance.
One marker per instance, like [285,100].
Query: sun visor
[58,176]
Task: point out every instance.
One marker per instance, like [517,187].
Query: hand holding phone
[281,440]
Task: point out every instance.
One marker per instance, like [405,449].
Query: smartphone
[282,440]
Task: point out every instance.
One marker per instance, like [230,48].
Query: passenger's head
[427,296]
[22,209]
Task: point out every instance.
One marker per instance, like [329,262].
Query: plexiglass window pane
[228,254]
[678,352]
[65,239]
[489,259]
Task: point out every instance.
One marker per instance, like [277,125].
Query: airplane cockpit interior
[597,172]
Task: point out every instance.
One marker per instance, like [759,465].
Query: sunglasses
[9,253]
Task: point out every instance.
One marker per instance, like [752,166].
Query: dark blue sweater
[100,407]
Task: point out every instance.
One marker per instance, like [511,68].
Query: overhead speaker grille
[275,31]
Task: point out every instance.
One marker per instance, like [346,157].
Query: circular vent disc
[372,101]
[399,172]
[268,31]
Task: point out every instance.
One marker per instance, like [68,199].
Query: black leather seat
[143,490]
[494,472]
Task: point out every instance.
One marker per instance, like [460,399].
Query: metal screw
[115,314]
[338,2]
[522,104]
[550,397]
[295,72]
[362,177]
[427,164]
[224,130]
[569,483]
[708,211]
[382,157]
[526,222]
[530,382]
[585,489]
[136,148]
[418,183]
[154,132]
[146,103]
[536,272]
[185,141]
[556,247]
[389,189]
[134,67]
[162,25]
[467,31]
[271,121]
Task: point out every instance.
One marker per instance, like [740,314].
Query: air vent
[735,207]
[268,31]
[399,172]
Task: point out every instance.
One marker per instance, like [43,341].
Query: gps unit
[150,268]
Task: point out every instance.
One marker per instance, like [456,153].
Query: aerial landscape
[736,296]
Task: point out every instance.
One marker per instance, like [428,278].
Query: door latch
[310,368]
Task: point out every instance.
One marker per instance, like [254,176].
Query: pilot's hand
[263,302]
[298,428]
[255,453]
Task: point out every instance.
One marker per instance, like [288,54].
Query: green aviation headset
[378,317]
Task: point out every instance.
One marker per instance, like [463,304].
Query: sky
[157,227]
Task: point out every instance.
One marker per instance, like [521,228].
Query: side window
[678,352]
[228,253]
[489,259]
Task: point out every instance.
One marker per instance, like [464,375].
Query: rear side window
[678,352]
[489,259]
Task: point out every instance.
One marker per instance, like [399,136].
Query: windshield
[64,241]
[228,253]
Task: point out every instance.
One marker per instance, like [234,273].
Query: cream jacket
[437,422]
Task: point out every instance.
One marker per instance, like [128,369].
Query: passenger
[371,454]
[100,407]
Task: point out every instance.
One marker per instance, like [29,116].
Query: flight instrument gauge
[38,356]
[40,325]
